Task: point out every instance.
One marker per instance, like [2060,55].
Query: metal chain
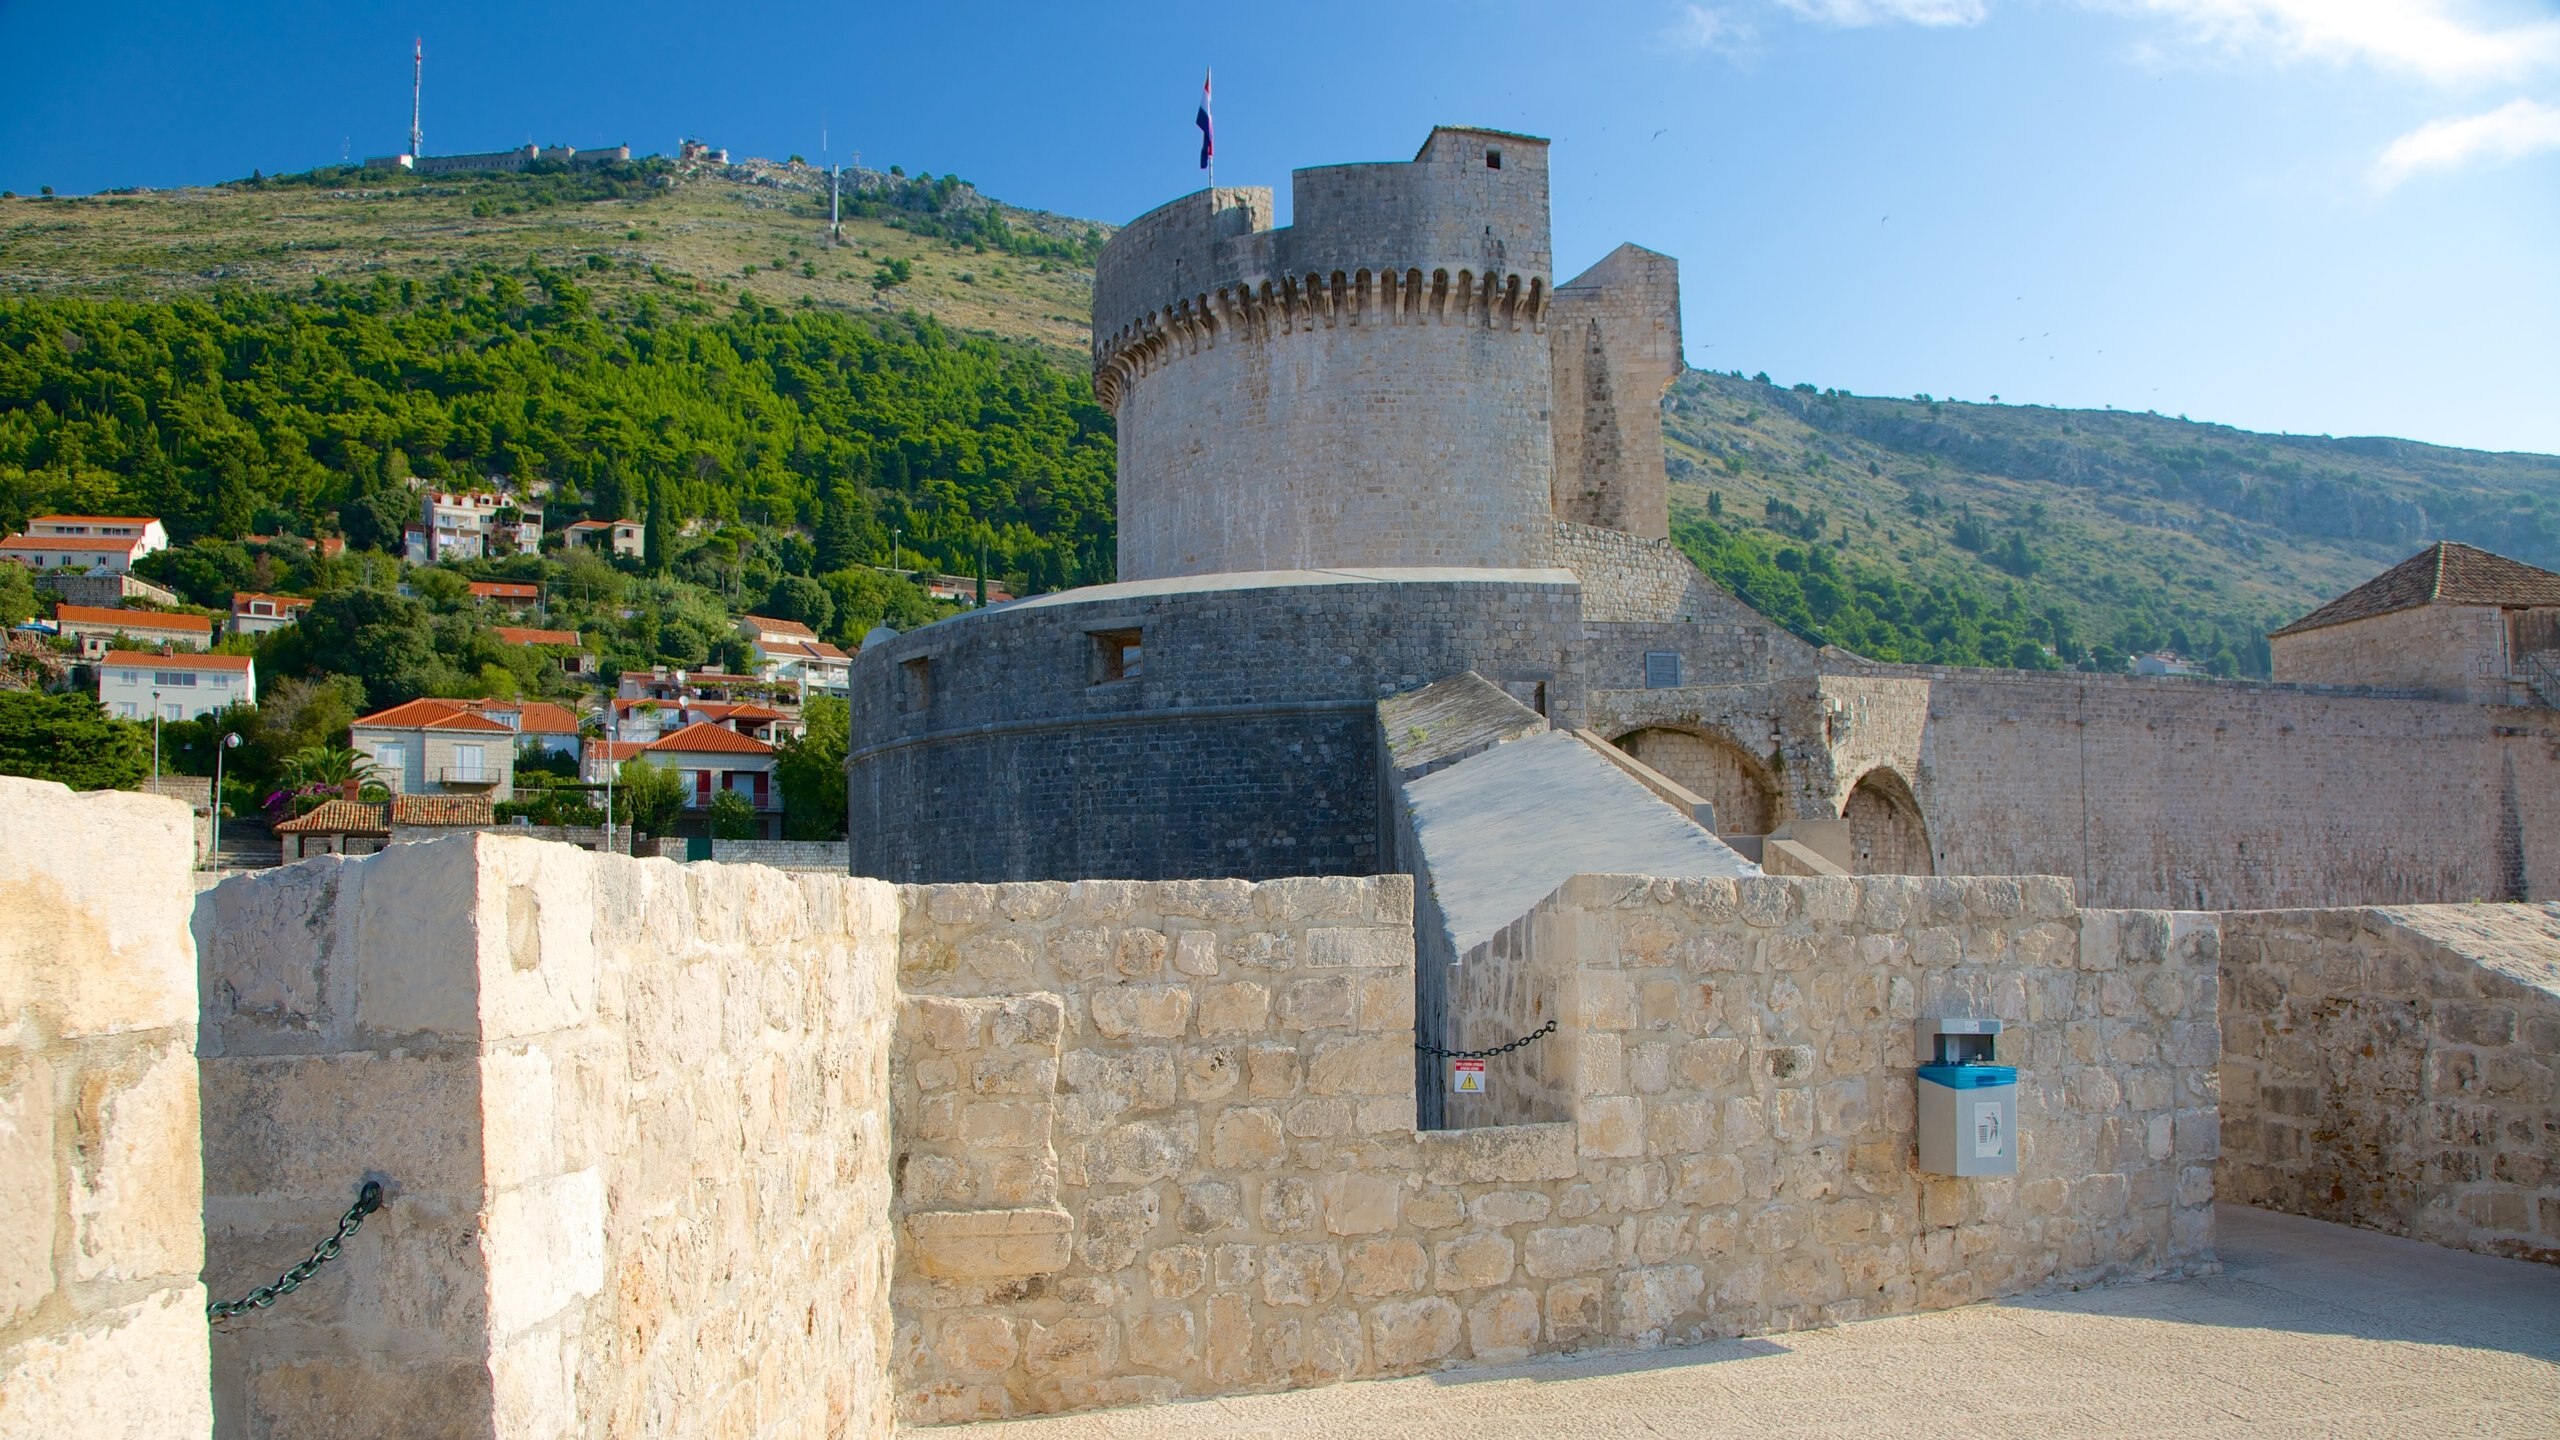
[368,1200]
[1486,1054]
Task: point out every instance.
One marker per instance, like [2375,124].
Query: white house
[467,525]
[790,653]
[621,537]
[137,685]
[439,747]
[145,529]
[253,613]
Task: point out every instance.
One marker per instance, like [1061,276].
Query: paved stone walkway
[2311,1330]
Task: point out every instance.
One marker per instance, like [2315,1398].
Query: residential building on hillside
[82,555]
[97,628]
[963,588]
[253,613]
[138,685]
[439,747]
[646,720]
[2453,621]
[712,759]
[2164,662]
[512,596]
[790,653]
[472,525]
[539,725]
[574,657]
[618,537]
[145,529]
[663,684]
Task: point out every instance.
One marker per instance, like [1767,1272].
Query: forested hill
[283,354]
[243,412]
[1921,529]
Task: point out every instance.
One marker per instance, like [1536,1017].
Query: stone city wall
[1157,1138]
[102,1328]
[633,1120]
[989,746]
[2396,1069]
[2197,794]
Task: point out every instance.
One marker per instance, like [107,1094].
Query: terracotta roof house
[344,825]
[439,747]
[89,556]
[253,613]
[139,684]
[506,594]
[574,658]
[790,653]
[712,758]
[2452,620]
[95,628]
[622,537]
[538,724]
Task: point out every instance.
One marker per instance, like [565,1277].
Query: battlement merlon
[1470,199]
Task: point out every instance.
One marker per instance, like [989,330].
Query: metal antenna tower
[417,85]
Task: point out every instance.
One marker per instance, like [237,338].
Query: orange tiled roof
[133,619]
[339,816]
[505,590]
[703,737]
[443,810]
[95,520]
[281,602]
[184,660]
[526,635]
[615,751]
[70,542]
[430,715]
[792,628]
[2446,573]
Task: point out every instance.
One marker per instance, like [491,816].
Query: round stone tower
[1366,387]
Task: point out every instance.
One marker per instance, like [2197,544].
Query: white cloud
[1883,12]
[2511,132]
[2443,40]
[1701,30]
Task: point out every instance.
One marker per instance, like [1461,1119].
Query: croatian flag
[1208,142]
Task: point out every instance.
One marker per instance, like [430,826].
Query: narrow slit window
[1493,159]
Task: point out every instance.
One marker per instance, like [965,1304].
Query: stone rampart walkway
[2311,1330]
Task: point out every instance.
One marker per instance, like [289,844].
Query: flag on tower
[1208,142]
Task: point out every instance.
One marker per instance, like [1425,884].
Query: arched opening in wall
[1887,835]
[1745,798]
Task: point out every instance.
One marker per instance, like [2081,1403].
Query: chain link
[368,1200]
[1542,1030]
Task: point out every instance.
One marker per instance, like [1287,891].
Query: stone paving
[2311,1330]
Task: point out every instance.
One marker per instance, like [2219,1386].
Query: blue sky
[2324,216]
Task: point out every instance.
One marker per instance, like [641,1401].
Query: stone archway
[1887,835]
[1720,771]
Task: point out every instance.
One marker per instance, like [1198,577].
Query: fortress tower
[1372,385]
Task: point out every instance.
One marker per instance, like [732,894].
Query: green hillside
[1984,534]
[681,341]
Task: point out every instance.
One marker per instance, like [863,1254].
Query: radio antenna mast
[417,85]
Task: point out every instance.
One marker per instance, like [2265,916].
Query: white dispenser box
[1968,1101]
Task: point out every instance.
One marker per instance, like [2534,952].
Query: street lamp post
[155,737]
[612,728]
[230,741]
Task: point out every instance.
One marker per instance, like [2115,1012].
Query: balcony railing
[698,800]
[451,775]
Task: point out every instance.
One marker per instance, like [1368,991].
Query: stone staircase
[247,844]
[2541,671]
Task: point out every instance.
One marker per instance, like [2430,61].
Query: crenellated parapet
[1381,298]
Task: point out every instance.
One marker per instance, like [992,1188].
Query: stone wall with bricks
[632,1117]
[2189,793]
[102,1328]
[2397,1069]
[1156,1140]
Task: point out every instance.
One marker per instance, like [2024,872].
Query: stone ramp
[2311,1329]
